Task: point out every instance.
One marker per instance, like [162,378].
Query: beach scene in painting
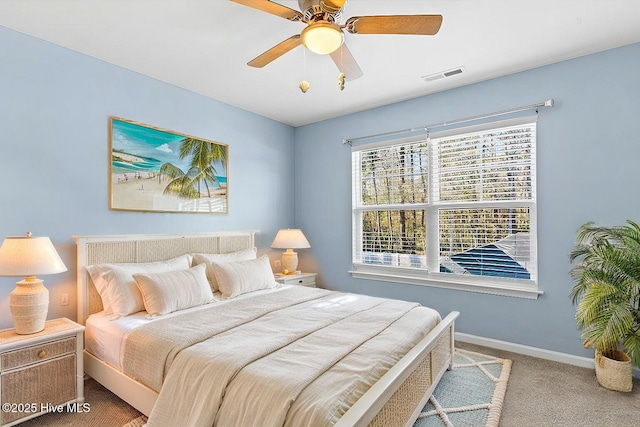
[157,170]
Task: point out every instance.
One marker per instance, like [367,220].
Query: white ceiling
[204,45]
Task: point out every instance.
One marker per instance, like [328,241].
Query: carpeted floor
[542,393]
[105,410]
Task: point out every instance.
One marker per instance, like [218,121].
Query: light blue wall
[54,109]
[588,151]
[54,122]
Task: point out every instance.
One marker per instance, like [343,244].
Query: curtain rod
[547,103]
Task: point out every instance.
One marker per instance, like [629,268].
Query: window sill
[411,276]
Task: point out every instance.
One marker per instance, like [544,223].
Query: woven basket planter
[614,374]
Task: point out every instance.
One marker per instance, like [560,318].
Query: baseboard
[569,359]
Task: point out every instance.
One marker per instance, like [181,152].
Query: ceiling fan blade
[272,8]
[276,52]
[394,24]
[346,63]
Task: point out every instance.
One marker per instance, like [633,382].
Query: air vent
[443,74]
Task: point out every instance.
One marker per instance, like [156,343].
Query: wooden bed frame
[395,400]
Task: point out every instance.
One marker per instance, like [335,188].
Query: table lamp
[27,257]
[290,239]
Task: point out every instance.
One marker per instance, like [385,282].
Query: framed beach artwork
[157,170]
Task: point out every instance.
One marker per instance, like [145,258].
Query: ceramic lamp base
[290,261]
[29,303]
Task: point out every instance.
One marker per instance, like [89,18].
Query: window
[454,209]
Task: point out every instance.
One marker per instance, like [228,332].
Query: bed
[395,398]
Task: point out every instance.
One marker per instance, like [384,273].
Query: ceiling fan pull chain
[341,76]
[304,84]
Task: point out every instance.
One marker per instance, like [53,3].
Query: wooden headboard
[145,248]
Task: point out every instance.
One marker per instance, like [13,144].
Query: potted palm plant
[606,268]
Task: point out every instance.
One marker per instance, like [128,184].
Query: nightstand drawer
[52,382]
[37,353]
[303,279]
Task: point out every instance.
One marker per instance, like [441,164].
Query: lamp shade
[29,256]
[290,238]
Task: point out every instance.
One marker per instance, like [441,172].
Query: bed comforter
[299,356]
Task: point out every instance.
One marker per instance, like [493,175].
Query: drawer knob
[42,354]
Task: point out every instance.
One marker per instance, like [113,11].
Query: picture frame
[157,170]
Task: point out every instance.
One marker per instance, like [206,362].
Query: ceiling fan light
[322,37]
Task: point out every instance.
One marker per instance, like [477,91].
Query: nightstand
[302,279]
[41,372]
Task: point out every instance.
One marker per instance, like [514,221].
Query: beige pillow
[239,277]
[164,293]
[208,259]
[115,282]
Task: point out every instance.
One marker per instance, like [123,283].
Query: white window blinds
[457,204]
[495,164]
[391,192]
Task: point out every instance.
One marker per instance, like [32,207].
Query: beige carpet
[105,410]
[543,393]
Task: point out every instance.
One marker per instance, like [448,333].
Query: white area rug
[469,395]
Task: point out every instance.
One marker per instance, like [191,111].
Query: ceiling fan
[324,33]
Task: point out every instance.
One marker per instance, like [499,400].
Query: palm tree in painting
[201,171]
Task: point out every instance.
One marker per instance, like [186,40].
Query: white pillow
[164,293]
[116,281]
[239,277]
[208,259]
